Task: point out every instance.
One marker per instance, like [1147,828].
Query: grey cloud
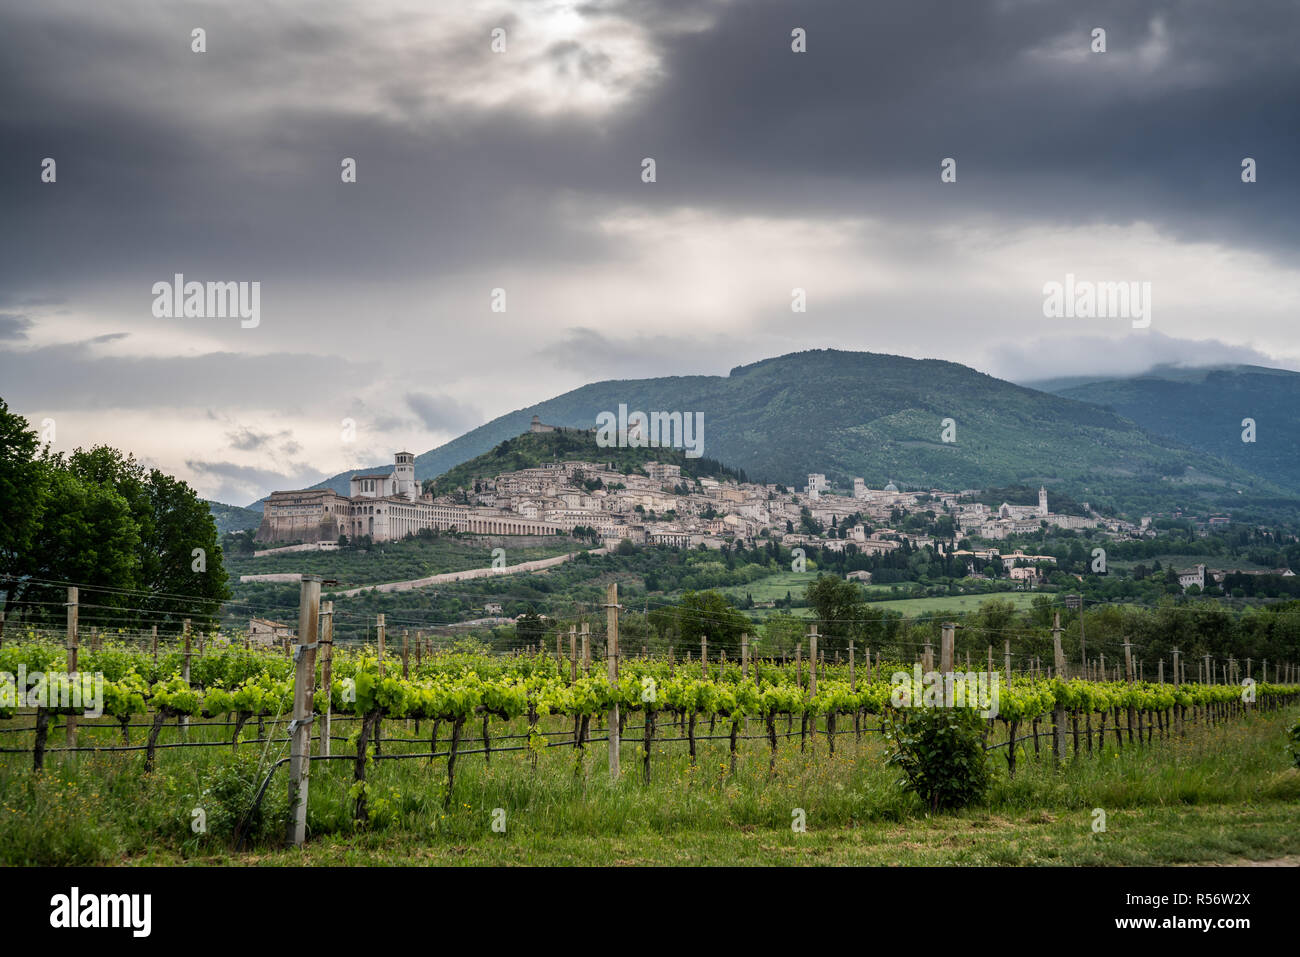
[442,413]
[249,440]
[235,483]
[599,356]
[14,326]
[1094,355]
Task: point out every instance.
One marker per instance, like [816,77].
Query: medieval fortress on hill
[659,507]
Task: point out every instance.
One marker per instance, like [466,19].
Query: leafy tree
[530,628]
[88,536]
[708,614]
[22,494]
[837,605]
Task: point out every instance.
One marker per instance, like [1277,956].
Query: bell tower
[404,473]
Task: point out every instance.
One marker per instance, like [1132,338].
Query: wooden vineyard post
[73,610]
[153,642]
[947,647]
[419,649]
[853,688]
[1058,714]
[379,637]
[927,657]
[1128,677]
[811,716]
[586,648]
[1006,658]
[1058,655]
[406,661]
[812,661]
[304,684]
[1178,717]
[611,663]
[704,657]
[327,672]
[185,673]
[1160,671]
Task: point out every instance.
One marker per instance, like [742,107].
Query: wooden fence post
[380,629]
[304,684]
[73,611]
[947,647]
[812,662]
[327,672]
[611,663]
[185,673]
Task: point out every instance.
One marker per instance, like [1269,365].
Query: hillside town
[659,506]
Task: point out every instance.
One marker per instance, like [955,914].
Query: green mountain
[570,445]
[1204,408]
[232,518]
[848,414]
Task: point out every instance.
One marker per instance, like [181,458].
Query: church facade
[385,507]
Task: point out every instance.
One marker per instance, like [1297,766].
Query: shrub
[941,754]
[226,795]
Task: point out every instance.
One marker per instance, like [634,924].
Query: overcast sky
[521,170]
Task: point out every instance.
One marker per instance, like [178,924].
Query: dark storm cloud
[76,376]
[173,177]
[861,122]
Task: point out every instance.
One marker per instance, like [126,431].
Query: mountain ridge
[878,416]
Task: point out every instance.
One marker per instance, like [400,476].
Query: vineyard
[363,705]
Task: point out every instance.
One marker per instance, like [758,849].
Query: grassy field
[1216,795]
[400,561]
[794,583]
[924,606]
